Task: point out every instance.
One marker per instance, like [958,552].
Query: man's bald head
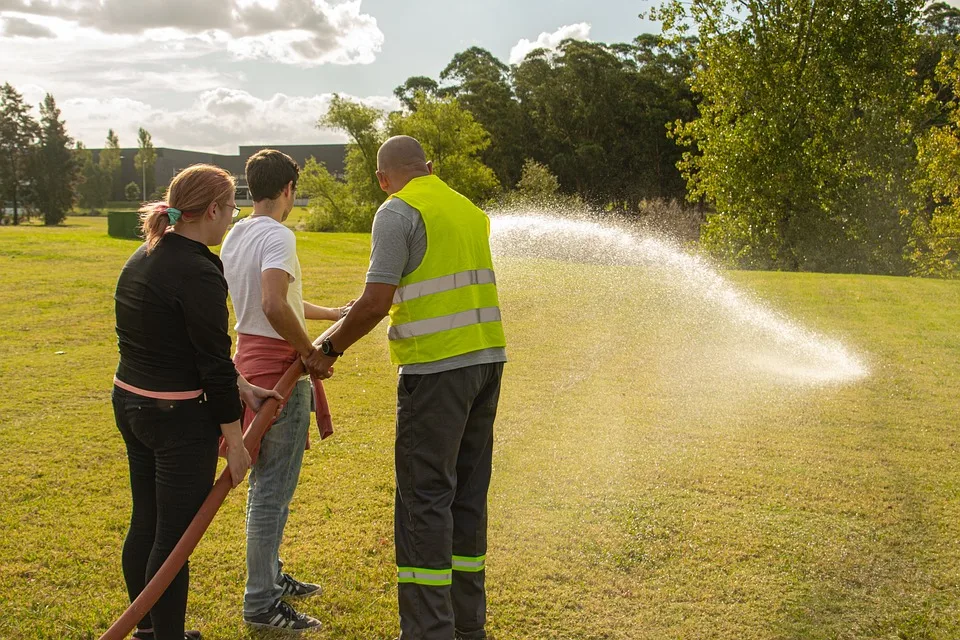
[399,160]
[401,153]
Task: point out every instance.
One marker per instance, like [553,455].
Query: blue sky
[214,74]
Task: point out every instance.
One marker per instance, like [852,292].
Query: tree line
[42,170]
[584,123]
[814,134]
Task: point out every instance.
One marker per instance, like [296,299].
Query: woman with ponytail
[176,390]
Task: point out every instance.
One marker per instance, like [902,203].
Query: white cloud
[219,120]
[14,27]
[551,40]
[303,32]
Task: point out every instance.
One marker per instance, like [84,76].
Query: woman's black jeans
[172,449]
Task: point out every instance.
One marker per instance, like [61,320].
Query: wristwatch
[326,347]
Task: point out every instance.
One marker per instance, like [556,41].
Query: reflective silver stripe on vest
[444,283]
[443,323]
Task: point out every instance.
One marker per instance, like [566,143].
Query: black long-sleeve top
[172,324]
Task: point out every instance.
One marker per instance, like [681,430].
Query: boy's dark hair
[268,172]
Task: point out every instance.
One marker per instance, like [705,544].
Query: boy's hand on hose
[254,396]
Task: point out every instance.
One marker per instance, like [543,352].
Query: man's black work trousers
[443,452]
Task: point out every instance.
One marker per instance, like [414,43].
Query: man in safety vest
[431,271]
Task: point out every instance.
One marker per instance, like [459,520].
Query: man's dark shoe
[283,617]
[293,588]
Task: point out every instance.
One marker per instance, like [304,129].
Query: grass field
[298,213]
[638,491]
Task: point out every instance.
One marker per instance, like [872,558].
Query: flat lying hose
[198,526]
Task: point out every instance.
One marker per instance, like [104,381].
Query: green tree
[109,161]
[935,243]
[599,113]
[350,202]
[453,140]
[333,205]
[145,160]
[93,188]
[406,92]
[537,182]
[481,84]
[363,126]
[804,140]
[942,19]
[450,136]
[55,171]
[18,135]
[132,191]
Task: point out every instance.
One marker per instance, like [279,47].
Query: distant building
[171,161]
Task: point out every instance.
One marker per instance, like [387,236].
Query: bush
[672,218]
[538,188]
[132,192]
[334,205]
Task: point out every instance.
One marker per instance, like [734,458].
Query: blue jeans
[273,480]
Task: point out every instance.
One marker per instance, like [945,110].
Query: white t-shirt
[254,245]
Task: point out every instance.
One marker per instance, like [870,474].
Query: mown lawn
[645,487]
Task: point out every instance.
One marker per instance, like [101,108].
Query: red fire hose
[198,526]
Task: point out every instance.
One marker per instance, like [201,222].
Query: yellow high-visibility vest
[448,305]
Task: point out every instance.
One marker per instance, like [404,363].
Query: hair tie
[173,214]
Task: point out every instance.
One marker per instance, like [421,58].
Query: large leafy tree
[450,136]
[406,92]
[935,244]
[599,113]
[453,140]
[804,140]
[482,85]
[363,125]
[55,171]
[348,202]
[18,134]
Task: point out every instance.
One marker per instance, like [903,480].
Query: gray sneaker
[293,588]
[283,617]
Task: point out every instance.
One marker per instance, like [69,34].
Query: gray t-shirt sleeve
[398,242]
[389,249]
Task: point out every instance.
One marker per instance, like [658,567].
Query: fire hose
[198,526]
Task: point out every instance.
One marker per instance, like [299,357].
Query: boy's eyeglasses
[236,212]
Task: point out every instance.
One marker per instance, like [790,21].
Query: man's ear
[430,166]
[383,181]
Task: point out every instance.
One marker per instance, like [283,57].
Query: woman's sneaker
[293,588]
[283,616]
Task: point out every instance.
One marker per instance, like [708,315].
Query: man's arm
[365,314]
[273,285]
[389,254]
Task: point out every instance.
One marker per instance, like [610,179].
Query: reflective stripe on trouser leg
[426,577]
[468,563]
